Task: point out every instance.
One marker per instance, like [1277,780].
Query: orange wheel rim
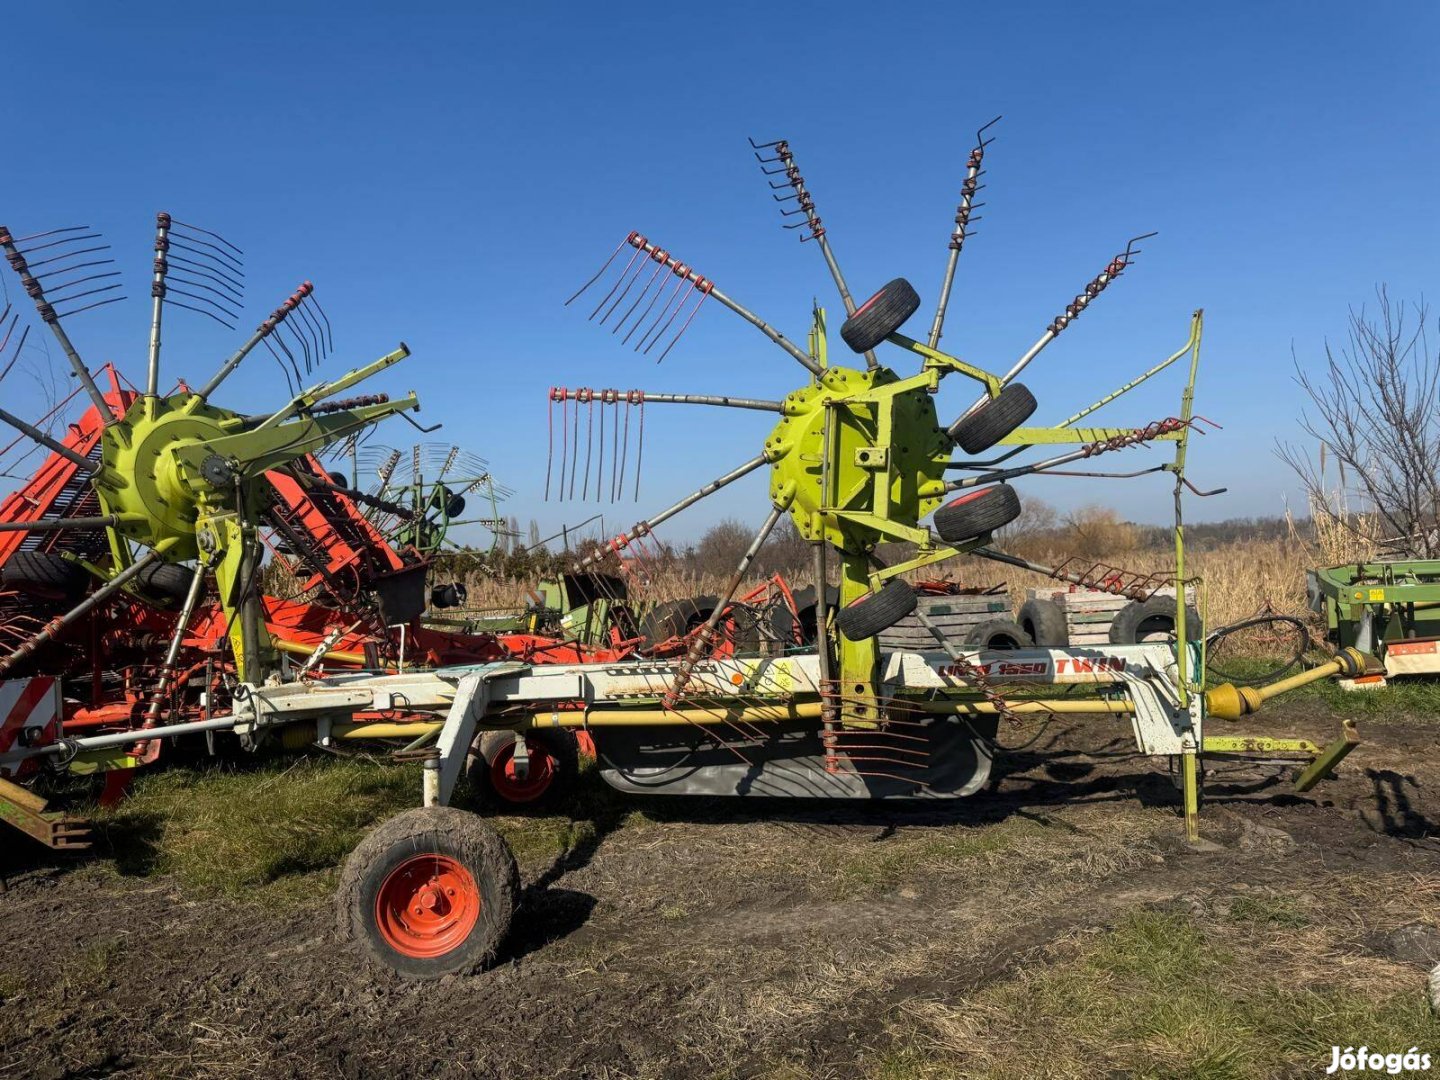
[427,906]
[507,781]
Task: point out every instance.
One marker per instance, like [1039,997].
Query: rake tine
[684,326]
[60,242]
[643,316]
[613,398]
[198,310]
[629,280]
[301,341]
[574,445]
[217,303]
[53,293]
[604,266]
[69,255]
[53,232]
[659,267]
[600,457]
[77,266]
[207,269]
[619,492]
[280,341]
[19,345]
[588,399]
[639,445]
[223,257]
[313,328]
[564,440]
[329,333]
[289,382]
[664,310]
[207,232]
[683,300]
[624,273]
[87,307]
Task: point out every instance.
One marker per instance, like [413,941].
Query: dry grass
[1239,579]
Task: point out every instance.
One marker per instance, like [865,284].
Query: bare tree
[1036,521]
[721,546]
[786,552]
[1098,532]
[1374,411]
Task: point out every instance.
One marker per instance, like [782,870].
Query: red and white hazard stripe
[30,715]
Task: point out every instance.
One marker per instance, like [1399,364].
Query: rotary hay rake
[858,457]
[84,653]
[436,483]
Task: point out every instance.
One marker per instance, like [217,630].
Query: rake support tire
[976,513]
[1044,622]
[554,769]
[1153,619]
[46,575]
[876,612]
[998,634]
[165,582]
[995,419]
[429,893]
[880,316]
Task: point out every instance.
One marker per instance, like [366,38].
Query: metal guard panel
[789,762]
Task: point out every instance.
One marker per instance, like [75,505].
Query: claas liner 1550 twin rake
[858,457]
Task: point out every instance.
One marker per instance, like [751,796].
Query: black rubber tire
[454,504]
[1153,620]
[998,634]
[805,610]
[559,743]
[976,513]
[452,594]
[876,612]
[429,830]
[880,316]
[997,418]
[1044,622]
[166,583]
[43,574]
[674,618]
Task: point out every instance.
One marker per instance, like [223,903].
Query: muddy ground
[1007,936]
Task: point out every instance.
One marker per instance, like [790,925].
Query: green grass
[877,868]
[1280,912]
[1413,698]
[276,829]
[1158,996]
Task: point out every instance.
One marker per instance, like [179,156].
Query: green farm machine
[859,456]
[1388,609]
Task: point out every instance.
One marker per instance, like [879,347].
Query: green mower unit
[1390,610]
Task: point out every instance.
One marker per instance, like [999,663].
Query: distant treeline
[1094,531]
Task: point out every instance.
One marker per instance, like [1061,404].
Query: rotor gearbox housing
[886,461]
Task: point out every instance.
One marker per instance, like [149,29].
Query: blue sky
[448,174]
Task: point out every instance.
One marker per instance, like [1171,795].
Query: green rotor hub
[150,476]
[885,469]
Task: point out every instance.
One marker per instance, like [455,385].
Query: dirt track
[705,939]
